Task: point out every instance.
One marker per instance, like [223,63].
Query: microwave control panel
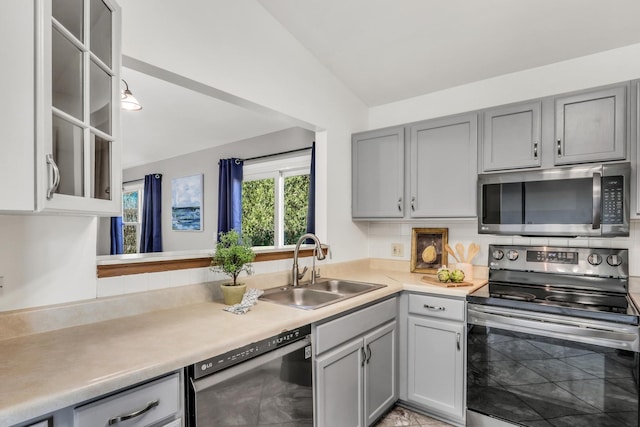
[612,200]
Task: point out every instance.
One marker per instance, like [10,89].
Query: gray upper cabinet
[591,126]
[378,174]
[511,137]
[444,167]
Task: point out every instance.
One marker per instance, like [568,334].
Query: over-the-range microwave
[585,200]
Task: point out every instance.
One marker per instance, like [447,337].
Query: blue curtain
[311,209]
[230,196]
[151,234]
[117,238]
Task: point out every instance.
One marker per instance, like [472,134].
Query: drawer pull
[149,407]
[458,341]
[433,307]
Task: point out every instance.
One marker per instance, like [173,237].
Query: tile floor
[404,417]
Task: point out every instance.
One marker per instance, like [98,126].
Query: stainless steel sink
[344,287]
[320,294]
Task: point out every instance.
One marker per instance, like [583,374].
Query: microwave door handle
[597,200]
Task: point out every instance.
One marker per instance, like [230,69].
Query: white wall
[238,47]
[46,260]
[612,66]
[204,162]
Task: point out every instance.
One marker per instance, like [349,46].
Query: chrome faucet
[317,253]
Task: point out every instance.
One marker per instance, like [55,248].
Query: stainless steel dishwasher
[265,383]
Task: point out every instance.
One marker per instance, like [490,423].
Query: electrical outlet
[397,249]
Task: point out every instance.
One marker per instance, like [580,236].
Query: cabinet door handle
[364,355]
[433,307]
[413,205]
[56,176]
[400,204]
[144,410]
[535,150]
[559,148]
[458,340]
[369,355]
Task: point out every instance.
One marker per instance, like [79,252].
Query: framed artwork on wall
[427,249]
[186,203]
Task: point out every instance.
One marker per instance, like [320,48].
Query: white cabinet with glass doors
[60,122]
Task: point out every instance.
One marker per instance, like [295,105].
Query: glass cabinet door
[82,99]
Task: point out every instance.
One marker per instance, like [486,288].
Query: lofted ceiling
[175,120]
[383,51]
[389,50]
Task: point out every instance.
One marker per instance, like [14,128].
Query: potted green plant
[233,256]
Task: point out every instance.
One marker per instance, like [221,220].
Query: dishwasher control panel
[233,357]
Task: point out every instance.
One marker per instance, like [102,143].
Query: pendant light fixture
[128,101]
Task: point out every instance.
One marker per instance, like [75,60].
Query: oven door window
[541,381]
[275,393]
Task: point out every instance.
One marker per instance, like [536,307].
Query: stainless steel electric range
[553,339]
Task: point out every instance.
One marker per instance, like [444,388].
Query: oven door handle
[243,367]
[618,336]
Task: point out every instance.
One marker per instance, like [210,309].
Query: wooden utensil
[474,248]
[460,251]
[450,251]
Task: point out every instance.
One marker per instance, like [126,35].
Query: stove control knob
[594,259]
[512,255]
[497,254]
[614,260]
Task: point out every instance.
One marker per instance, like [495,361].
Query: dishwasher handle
[214,379]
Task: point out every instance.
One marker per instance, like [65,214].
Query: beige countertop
[47,371]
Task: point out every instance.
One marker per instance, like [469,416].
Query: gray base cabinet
[436,365]
[434,381]
[356,381]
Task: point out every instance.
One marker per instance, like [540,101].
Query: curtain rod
[157,175]
[133,180]
[274,154]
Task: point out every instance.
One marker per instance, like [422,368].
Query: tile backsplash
[383,235]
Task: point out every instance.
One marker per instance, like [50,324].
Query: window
[132,217]
[275,197]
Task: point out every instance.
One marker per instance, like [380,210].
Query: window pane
[68,153]
[130,206]
[258,211]
[67,75]
[130,232]
[101,170]
[296,201]
[70,14]
[101,31]
[100,99]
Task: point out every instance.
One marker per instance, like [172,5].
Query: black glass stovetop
[598,305]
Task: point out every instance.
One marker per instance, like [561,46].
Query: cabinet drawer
[165,391]
[443,308]
[335,332]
